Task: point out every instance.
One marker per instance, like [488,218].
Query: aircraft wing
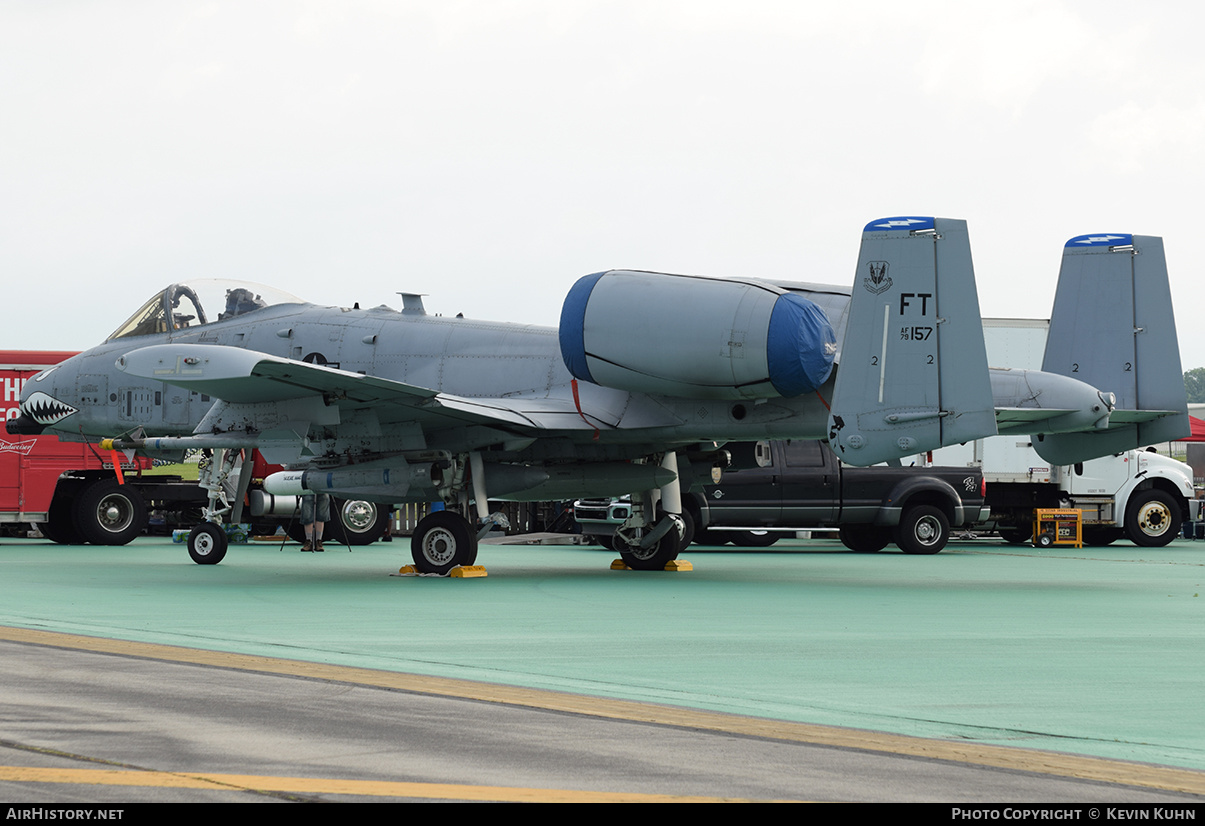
[238,376]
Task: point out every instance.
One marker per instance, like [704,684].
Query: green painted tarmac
[1095,651]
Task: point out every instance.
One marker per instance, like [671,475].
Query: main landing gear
[650,549]
[649,540]
[651,545]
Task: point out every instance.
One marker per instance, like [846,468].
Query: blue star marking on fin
[1101,240]
[902,222]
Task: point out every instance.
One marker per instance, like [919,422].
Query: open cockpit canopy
[204,301]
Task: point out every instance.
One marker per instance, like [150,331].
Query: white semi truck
[1139,495]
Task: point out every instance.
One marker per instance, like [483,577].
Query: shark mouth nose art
[46,410]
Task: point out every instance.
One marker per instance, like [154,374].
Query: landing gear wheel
[207,544]
[1153,519]
[1015,534]
[107,513]
[655,558]
[356,522]
[441,541]
[923,529]
[753,539]
[865,539]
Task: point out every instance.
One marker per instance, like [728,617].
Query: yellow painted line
[1031,760]
[327,786]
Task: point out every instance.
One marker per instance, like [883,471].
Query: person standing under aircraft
[315,513]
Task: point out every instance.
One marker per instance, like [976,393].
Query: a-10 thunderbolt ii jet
[645,370]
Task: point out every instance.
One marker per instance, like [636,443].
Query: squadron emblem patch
[878,281]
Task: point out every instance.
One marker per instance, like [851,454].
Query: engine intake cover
[689,336]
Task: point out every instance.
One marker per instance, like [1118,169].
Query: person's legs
[307,522]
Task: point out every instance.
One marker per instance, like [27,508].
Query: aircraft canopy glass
[205,301]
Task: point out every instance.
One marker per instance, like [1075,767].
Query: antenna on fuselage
[412,304]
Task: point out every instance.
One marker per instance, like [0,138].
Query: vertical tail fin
[1112,326]
[913,368]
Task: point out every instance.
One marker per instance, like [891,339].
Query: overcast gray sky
[489,153]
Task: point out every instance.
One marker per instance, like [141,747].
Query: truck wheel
[1016,534]
[688,525]
[60,524]
[356,522]
[690,519]
[754,539]
[923,529]
[1099,537]
[107,513]
[609,541]
[864,539]
[207,544]
[1152,518]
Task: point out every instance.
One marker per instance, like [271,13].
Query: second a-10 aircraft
[645,370]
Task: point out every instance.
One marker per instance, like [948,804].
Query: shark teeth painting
[46,410]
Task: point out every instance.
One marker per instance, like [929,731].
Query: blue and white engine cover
[694,337]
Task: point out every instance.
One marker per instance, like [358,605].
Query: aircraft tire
[650,559]
[923,529]
[441,541]
[1152,518]
[865,539]
[106,513]
[207,544]
[356,522]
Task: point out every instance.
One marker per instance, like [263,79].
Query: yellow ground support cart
[1058,526]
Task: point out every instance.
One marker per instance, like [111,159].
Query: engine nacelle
[695,337]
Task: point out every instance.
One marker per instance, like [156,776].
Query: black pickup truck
[771,487]
[802,484]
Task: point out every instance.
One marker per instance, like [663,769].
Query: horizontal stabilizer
[913,367]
